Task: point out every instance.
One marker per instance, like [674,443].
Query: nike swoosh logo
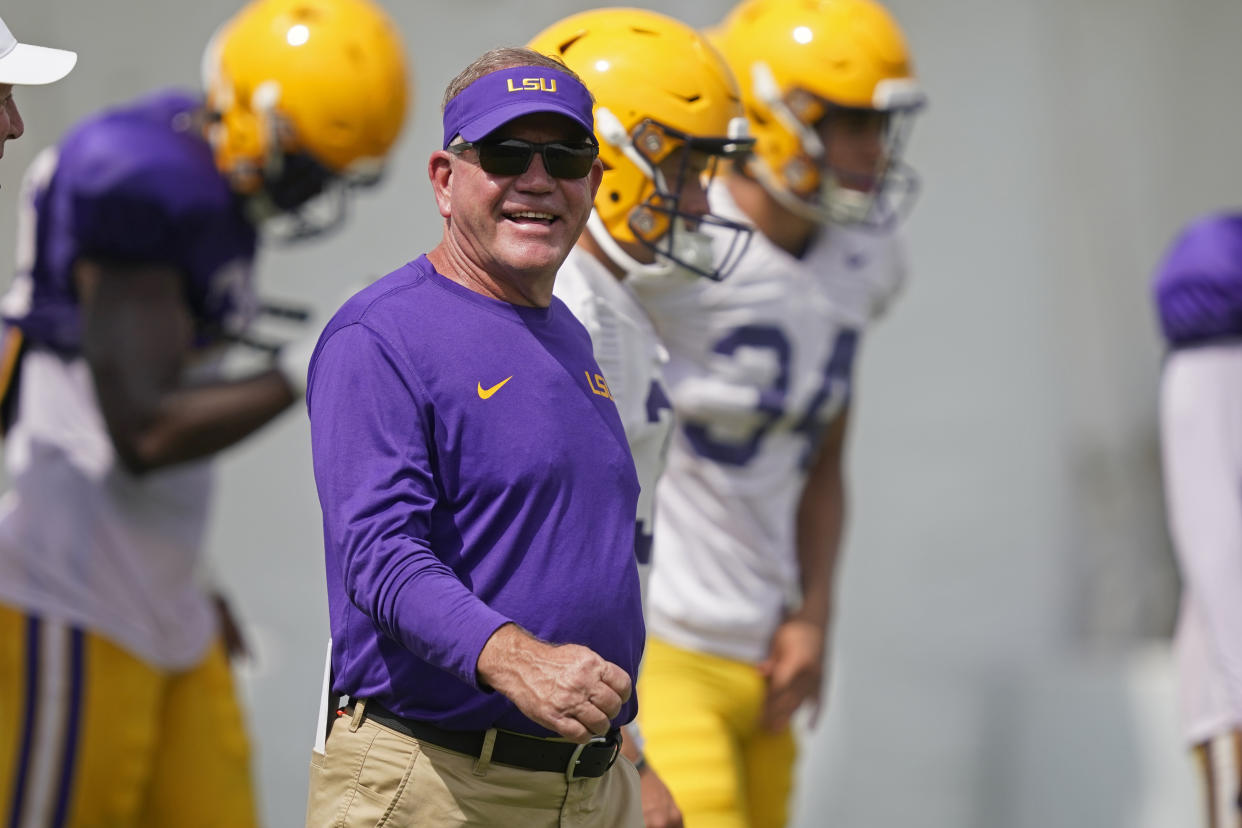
[484,393]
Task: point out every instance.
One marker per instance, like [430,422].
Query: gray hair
[506,57]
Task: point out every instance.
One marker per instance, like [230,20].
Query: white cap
[25,65]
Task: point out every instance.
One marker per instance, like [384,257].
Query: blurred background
[1002,642]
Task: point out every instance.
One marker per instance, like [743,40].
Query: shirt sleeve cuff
[472,645]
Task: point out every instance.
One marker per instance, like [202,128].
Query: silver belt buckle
[575,757]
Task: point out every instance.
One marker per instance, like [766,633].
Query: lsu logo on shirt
[532,85]
[598,385]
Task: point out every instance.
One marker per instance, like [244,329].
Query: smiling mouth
[530,217]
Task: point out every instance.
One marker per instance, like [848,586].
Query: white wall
[1006,561]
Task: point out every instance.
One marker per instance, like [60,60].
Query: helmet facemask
[308,201]
[659,222]
[301,201]
[299,198]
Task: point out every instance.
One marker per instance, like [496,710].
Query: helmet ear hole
[801,177]
[650,141]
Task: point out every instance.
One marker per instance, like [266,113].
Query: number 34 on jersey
[727,416]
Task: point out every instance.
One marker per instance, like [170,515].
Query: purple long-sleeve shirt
[472,470]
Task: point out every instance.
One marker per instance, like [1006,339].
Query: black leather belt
[575,761]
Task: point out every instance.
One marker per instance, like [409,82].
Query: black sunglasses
[511,156]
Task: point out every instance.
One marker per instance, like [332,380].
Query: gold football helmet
[301,92]
[659,86]
[801,61]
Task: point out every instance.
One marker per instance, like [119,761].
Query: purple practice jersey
[1198,289]
[135,184]
[472,470]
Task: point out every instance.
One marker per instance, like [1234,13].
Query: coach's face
[517,228]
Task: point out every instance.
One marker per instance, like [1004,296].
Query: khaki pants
[371,775]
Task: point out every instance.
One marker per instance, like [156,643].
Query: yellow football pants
[699,715]
[92,736]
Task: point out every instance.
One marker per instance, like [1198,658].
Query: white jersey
[630,354]
[760,365]
[1201,440]
[83,540]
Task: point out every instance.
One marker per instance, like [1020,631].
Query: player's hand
[794,670]
[659,809]
[566,688]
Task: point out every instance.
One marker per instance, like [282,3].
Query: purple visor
[498,97]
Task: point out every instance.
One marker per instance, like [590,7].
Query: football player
[667,112]
[134,263]
[1198,296]
[750,509]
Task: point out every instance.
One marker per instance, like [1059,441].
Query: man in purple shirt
[478,495]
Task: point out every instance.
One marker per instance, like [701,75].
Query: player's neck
[785,229]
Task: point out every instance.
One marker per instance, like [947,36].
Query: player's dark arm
[820,524]
[136,335]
